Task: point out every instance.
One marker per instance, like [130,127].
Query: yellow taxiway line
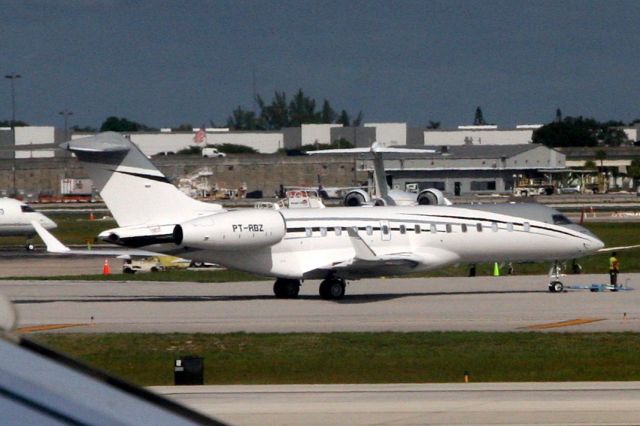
[47,327]
[568,323]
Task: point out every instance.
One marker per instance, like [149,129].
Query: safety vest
[613,263]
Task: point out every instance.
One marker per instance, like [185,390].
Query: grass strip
[239,358]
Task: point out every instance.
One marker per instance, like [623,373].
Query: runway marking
[568,323]
[47,327]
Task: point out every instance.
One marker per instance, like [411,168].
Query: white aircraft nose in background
[16,218]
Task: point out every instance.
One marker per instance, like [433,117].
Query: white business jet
[331,244]
[382,194]
[16,219]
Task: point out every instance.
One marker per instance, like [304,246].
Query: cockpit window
[27,209]
[560,219]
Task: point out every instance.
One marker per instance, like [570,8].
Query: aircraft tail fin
[135,191]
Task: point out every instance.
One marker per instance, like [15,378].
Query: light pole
[13,76]
[66,113]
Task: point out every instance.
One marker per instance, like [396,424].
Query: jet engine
[432,197]
[236,229]
[356,198]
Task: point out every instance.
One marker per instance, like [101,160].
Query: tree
[601,155]
[344,119]
[357,122]
[633,171]
[123,125]
[276,115]
[569,132]
[589,165]
[84,129]
[302,110]
[612,136]
[232,148]
[243,120]
[327,115]
[433,125]
[186,127]
[479,119]
[17,123]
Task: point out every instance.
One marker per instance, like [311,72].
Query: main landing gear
[285,288]
[332,288]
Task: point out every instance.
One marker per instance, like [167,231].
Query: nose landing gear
[556,286]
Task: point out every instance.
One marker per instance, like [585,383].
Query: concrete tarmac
[581,403]
[508,303]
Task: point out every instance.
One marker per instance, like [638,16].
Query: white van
[210,152]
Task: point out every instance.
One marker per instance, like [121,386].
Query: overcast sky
[164,63]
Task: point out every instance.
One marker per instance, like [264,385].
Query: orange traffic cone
[106,269]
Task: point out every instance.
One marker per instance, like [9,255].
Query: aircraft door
[385,230]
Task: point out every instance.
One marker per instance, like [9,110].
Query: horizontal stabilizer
[109,142]
[55,246]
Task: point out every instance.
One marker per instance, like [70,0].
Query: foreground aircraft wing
[365,253]
[366,262]
[621,248]
[55,246]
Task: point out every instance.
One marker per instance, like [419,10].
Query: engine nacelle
[237,229]
[432,197]
[356,198]
[138,236]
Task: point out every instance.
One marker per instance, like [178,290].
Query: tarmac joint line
[568,323]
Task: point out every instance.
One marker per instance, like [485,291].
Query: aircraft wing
[367,262]
[621,248]
[55,246]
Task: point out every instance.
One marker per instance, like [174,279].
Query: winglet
[52,243]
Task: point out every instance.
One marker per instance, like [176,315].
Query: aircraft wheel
[332,289]
[286,288]
[556,287]
[29,247]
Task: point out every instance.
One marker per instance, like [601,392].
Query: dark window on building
[483,185]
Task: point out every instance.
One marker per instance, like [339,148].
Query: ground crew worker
[614,268]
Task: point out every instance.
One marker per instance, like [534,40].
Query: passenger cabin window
[308,232]
[463,227]
[403,229]
[338,231]
[448,227]
[433,228]
[560,219]
[417,229]
[526,227]
[494,227]
[323,232]
[27,209]
[369,230]
[479,227]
